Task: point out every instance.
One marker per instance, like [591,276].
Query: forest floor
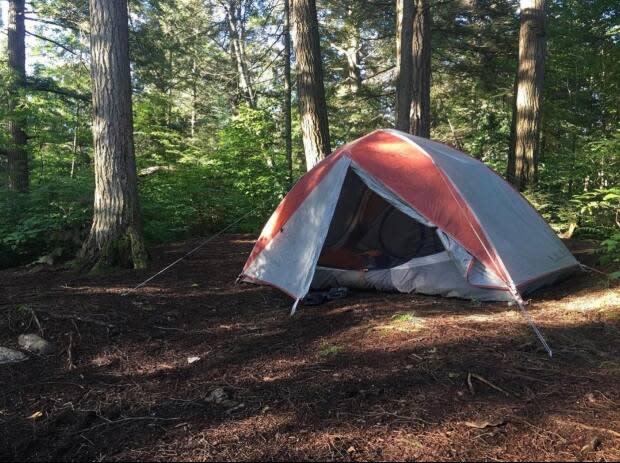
[374,376]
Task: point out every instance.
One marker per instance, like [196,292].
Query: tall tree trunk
[237,43]
[76,125]
[352,51]
[288,131]
[17,156]
[192,122]
[310,89]
[525,141]
[404,62]
[420,115]
[510,166]
[116,234]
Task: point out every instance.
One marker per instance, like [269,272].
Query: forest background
[208,82]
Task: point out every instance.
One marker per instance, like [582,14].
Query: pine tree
[310,89]
[116,234]
[526,129]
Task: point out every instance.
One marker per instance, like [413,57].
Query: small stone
[35,416]
[35,344]
[217,396]
[8,356]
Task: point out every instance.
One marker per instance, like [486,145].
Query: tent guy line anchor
[200,246]
[587,268]
[521,304]
[294,308]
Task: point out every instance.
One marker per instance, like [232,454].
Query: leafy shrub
[599,217]
[50,220]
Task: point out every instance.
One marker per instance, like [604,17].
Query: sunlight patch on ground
[150,369]
[596,300]
[406,322]
[281,368]
[491,316]
[246,241]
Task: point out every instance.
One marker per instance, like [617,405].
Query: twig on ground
[36,320]
[70,364]
[125,420]
[586,426]
[490,384]
[526,377]
[470,385]
[80,318]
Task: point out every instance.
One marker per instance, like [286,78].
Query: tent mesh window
[367,232]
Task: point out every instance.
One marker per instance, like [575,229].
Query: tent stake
[294,308]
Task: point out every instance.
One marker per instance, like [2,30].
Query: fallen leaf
[35,416]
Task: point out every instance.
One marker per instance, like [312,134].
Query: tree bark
[310,88]
[288,130]
[352,51]
[237,43]
[192,121]
[420,114]
[404,62]
[525,140]
[17,156]
[115,237]
[76,125]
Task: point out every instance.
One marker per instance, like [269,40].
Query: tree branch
[58,44]
[48,85]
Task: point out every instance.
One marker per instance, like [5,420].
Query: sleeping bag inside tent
[395,212]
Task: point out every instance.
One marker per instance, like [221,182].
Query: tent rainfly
[391,211]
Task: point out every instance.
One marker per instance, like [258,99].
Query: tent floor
[374,376]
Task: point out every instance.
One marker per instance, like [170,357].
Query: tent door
[368,231]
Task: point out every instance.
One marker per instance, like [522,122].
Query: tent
[391,211]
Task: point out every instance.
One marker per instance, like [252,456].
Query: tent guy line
[189,253]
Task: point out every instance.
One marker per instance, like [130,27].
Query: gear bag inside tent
[395,212]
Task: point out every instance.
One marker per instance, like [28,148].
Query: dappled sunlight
[371,376]
[602,299]
[248,241]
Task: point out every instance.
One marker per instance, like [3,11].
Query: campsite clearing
[194,367]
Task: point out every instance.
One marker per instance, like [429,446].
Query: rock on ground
[8,356]
[35,344]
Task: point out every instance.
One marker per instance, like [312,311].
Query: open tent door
[368,233]
[376,241]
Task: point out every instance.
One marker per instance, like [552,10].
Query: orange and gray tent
[391,211]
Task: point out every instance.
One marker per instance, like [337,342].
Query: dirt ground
[374,376]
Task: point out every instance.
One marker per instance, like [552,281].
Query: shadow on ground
[373,376]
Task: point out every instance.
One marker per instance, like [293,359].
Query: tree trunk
[310,89]
[74,149]
[288,131]
[192,122]
[17,156]
[404,62]
[237,42]
[116,234]
[420,115]
[352,51]
[525,140]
